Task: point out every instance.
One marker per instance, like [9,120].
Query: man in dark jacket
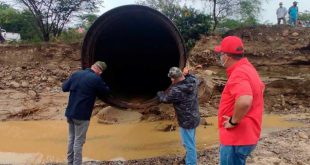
[83,86]
[183,94]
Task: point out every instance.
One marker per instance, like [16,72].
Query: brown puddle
[47,140]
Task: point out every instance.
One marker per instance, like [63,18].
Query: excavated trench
[139,45]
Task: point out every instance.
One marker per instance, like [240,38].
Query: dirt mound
[37,67]
[31,77]
[264,45]
[281,54]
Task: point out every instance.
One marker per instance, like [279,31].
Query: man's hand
[226,123]
[159,93]
[185,71]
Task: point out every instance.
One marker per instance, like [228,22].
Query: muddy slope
[281,54]
[30,80]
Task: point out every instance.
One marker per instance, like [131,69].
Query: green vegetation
[21,22]
[191,22]
[52,16]
[305,16]
[44,20]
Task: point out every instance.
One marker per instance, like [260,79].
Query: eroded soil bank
[31,77]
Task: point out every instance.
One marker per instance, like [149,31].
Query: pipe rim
[88,48]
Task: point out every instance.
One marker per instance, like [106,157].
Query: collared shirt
[243,79]
[281,12]
[184,97]
[293,11]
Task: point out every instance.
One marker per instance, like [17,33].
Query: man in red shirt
[241,106]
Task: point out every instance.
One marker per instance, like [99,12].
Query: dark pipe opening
[139,45]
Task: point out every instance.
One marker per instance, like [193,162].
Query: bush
[191,22]
[70,35]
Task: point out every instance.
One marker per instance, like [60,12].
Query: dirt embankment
[32,75]
[281,54]
[31,78]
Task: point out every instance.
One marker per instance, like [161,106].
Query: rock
[18,96]
[103,112]
[303,135]
[207,51]
[198,67]
[37,78]
[51,79]
[209,72]
[203,121]
[118,159]
[270,39]
[32,93]
[15,84]
[285,33]
[301,107]
[25,84]
[105,121]
[155,110]
[152,118]
[167,127]
[48,88]
[43,78]
[282,100]
[295,34]
[9,78]
[18,69]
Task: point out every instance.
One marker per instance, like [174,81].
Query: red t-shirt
[243,79]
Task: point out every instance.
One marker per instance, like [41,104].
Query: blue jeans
[235,155]
[189,142]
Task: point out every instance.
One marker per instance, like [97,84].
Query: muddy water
[42,141]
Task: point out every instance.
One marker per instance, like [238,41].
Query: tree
[52,15]
[245,10]
[21,22]
[87,20]
[222,9]
[305,16]
[190,22]
[249,11]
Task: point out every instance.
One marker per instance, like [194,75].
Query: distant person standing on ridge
[281,13]
[293,12]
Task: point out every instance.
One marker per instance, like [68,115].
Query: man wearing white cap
[281,13]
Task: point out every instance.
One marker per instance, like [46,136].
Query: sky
[268,15]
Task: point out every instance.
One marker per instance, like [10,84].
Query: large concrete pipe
[139,45]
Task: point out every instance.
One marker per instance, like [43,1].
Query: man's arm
[241,90]
[102,88]
[242,106]
[66,85]
[169,96]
